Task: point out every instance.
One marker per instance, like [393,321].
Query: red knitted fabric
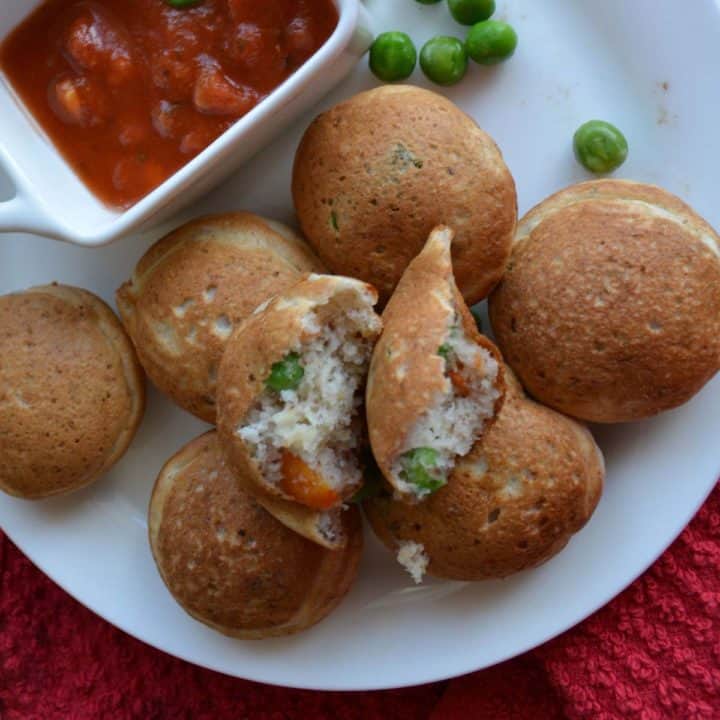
[653,653]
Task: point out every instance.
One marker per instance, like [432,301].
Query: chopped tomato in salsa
[130,90]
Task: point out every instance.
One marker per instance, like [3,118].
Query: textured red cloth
[654,652]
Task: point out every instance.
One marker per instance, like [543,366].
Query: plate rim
[467,668]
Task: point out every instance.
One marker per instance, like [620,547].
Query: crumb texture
[319,421]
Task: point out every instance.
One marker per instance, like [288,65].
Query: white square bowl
[51,200]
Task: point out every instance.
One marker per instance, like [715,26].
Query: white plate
[576,60]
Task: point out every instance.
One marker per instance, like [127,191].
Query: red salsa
[130,90]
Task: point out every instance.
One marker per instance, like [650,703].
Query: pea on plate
[444,60]
[600,147]
[491,42]
[393,56]
[469,12]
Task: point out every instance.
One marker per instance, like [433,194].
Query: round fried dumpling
[376,173]
[72,393]
[232,565]
[194,286]
[610,308]
[512,503]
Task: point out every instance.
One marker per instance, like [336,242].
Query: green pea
[420,469]
[600,147]
[444,60]
[182,3]
[393,56]
[286,374]
[469,12]
[491,42]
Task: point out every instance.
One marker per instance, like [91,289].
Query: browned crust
[406,372]
[263,339]
[215,269]
[611,189]
[74,391]
[610,309]
[389,165]
[513,503]
[229,563]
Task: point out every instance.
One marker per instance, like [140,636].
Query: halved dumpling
[513,502]
[435,382]
[290,398]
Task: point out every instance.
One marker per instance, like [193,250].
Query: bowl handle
[22,214]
